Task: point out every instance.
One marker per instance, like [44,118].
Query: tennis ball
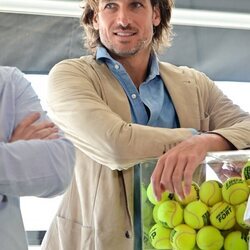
[210,192]
[196,214]
[159,237]
[155,213]
[239,213]
[236,240]
[170,213]
[150,194]
[183,237]
[222,215]
[192,196]
[209,238]
[246,172]
[235,190]
[147,213]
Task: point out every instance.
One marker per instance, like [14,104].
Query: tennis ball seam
[217,240]
[176,241]
[173,215]
[159,240]
[231,195]
[212,244]
[212,194]
[196,217]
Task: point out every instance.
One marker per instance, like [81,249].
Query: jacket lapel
[183,92]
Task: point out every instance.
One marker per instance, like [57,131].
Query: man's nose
[123,18]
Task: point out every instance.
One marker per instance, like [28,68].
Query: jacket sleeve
[79,106]
[222,115]
[41,168]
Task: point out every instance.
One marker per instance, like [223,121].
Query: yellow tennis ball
[245,174]
[150,194]
[155,213]
[183,237]
[235,190]
[170,213]
[159,237]
[239,212]
[192,196]
[210,192]
[222,216]
[196,214]
[147,213]
[209,238]
[236,240]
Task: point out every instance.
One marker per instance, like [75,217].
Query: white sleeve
[34,167]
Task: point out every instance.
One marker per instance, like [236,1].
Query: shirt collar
[103,55]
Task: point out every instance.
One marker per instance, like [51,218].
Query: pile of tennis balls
[209,218]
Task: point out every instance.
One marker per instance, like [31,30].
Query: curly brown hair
[162,33]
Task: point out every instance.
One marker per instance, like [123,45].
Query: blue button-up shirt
[150,105]
[152,94]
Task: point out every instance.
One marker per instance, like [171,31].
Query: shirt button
[133,96]
[117,66]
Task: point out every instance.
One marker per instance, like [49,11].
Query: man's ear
[95,21]
[156,15]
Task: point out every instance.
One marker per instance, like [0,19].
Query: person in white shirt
[35,158]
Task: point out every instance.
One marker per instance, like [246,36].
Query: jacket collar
[181,86]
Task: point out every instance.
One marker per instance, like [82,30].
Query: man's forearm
[216,142]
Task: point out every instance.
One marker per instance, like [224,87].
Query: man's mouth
[124,34]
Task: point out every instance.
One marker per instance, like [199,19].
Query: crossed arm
[36,158]
[27,129]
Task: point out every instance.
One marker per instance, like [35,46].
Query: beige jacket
[89,104]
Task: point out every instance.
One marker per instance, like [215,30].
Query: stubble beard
[128,52]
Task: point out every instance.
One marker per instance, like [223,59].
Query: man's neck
[136,66]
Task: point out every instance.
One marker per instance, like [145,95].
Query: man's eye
[137,5]
[110,6]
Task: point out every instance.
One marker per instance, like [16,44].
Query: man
[121,106]
[35,159]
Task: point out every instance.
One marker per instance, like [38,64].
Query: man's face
[126,26]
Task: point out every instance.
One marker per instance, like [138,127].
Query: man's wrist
[194,131]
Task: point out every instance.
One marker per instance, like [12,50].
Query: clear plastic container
[219,166]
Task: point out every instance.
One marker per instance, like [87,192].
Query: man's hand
[27,129]
[174,170]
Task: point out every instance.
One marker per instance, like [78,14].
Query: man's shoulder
[9,75]
[184,70]
[85,66]
[81,62]
[7,72]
